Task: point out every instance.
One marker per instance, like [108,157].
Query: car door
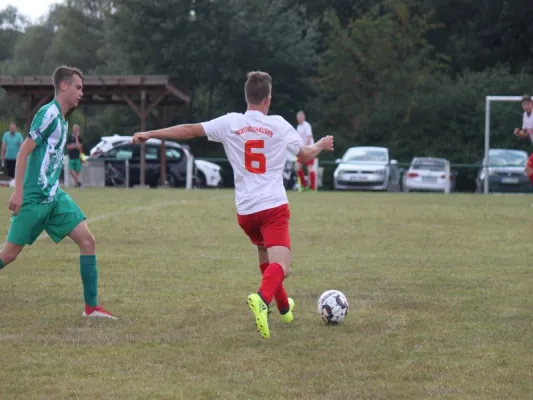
[120,154]
[176,166]
[153,164]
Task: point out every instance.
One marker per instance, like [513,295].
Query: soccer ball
[332,307]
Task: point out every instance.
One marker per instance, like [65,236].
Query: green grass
[440,290]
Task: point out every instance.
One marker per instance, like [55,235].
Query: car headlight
[380,172]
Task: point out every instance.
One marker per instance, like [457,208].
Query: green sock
[2,265]
[89,278]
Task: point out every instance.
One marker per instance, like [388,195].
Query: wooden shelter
[143,93]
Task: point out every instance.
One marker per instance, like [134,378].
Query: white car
[427,174]
[209,174]
[366,168]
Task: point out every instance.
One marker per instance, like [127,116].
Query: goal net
[488,101]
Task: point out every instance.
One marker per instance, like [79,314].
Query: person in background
[11,142]
[75,149]
[306,132]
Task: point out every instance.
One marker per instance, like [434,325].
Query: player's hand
[15,202]
[326,143]
[517,132]
[141,137]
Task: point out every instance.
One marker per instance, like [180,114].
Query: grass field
[440,290]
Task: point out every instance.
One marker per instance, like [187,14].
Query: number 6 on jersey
[254,162]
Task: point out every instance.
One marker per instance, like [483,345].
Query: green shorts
[74,164]
[58,218]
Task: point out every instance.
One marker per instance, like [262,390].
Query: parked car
[290,179]
[207,174]
[427,174]
[115,166]
[366,168]
[505,169]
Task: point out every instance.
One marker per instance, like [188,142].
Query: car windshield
[507,158]
[428,164]
[365,155]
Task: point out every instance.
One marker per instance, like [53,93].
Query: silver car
[366,168]
[428,174]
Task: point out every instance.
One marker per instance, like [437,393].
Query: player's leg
[25,228]
[283,302]
[312,174]
[73,170]
[275,232]
[9,253]
[301,174]
[67,219]
[10,168]
[251,225]
[78,171]
[529,168]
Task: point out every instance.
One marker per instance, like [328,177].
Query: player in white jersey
[527,130]
[256,144]
[306,133]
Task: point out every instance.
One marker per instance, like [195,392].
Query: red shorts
[268,228]
[308,163]
[530,161]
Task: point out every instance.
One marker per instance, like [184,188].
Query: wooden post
[32,109]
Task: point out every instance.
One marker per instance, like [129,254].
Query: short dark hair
[257,87]
[65,73]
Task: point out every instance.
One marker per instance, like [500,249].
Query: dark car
[176,164]
[506,172]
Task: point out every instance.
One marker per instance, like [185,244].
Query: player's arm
[309,153]
[177,132]
[3,154]
[20,169]
[522,133]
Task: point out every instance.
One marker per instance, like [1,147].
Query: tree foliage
[411,75]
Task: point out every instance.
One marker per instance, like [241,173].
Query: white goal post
[488,100]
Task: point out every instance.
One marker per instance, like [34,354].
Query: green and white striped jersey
[49,131]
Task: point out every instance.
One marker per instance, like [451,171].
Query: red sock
[301,175]
[272,280]
[282,300]
[531,178]
[312,179]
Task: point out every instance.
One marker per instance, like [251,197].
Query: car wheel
[171,180]
[201,181]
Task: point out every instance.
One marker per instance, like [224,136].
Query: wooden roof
[104,89]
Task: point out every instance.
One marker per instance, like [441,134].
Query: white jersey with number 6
[256,146]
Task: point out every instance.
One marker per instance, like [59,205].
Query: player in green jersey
[38,204]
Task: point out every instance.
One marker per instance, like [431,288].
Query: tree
[382,57]
[210,45]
